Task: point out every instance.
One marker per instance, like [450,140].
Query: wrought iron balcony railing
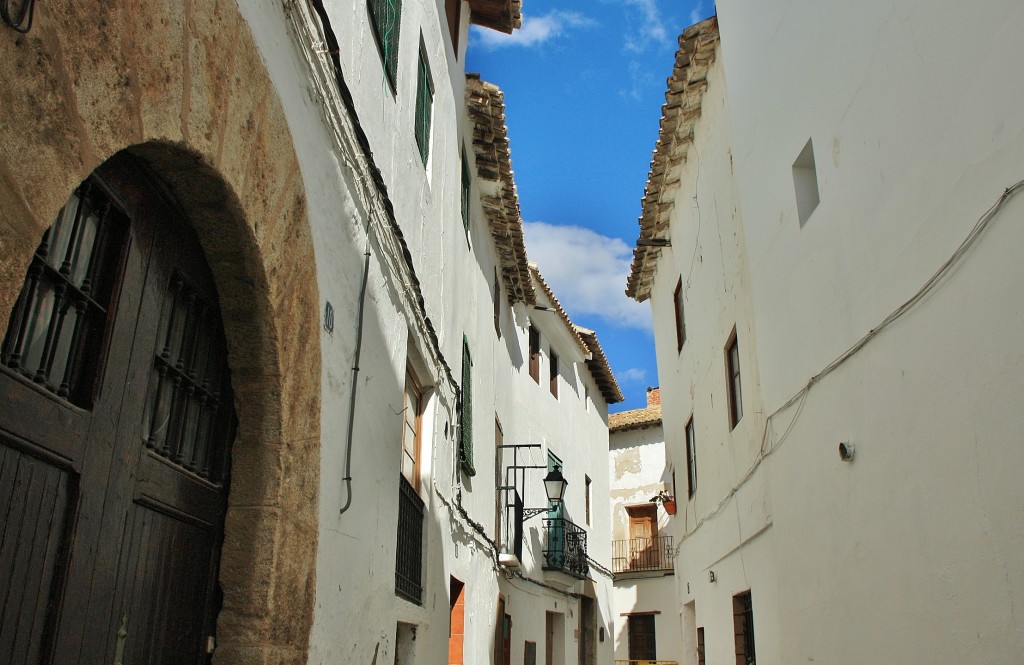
[565,547]
[409,562]
[642,554]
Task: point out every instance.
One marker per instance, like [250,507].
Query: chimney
[653,397]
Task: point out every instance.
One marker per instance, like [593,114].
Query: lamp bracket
[533,512]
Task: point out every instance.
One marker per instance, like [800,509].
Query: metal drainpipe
[355,376]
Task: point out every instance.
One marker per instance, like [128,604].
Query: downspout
[355,375]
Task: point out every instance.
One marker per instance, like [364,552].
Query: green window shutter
[465,191]
[466,417]
[386,16]
[424,105]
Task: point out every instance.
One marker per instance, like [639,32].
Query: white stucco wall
[356,606]
[909,553]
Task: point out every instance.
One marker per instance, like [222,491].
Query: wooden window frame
[733,380]
[680,311]
[553,374]
[691,459]
[534,353]
[453,12]
[411,382]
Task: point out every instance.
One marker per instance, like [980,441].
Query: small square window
[805,182]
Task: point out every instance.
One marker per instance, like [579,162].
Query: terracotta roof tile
[501,15]
[599,367]
[636,419]
[698,47]
[486,105]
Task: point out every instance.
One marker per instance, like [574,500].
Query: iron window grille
[641,637]
[466,415]
[386,17]
[743,618]
[424,105]
[409,557]
[56,334]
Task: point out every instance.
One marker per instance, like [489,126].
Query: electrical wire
[800,397]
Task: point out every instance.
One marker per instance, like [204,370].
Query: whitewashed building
[643,503]
[830,244]
[260,378]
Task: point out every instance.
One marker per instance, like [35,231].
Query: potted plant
[667,501]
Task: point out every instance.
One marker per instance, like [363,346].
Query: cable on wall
[800,397]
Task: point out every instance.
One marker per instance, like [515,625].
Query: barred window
[466,416]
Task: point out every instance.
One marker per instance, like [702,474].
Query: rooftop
[650,416]
[697,50]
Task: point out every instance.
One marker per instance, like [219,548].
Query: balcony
[409,561]
[638,555]
[565,548]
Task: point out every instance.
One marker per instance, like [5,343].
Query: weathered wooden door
[116,417]
[643,528]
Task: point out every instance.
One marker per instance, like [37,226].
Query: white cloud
[652,28]
[535,30]
[697,13]
[632,375]
[587,271]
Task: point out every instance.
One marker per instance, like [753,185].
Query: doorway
[116,422]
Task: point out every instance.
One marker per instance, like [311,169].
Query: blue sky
[584,81]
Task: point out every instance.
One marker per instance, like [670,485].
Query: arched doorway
[116,420]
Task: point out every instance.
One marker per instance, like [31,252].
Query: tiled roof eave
[486,106]
[698,47]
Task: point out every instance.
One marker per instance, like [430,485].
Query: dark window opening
[641,637]
[409,559]
[466,414]
[424,105]
[535,354]
[732,361]
[691,459]
[553,375]
[386,18]
[743,620]
[677,299]
[57,332]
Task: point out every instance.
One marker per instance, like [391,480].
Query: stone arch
[183,86]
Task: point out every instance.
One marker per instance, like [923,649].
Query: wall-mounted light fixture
[513,490]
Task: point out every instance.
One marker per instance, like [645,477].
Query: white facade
[400,288]
[909,551]
[638,472]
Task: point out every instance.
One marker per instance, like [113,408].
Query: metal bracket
[533,512]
